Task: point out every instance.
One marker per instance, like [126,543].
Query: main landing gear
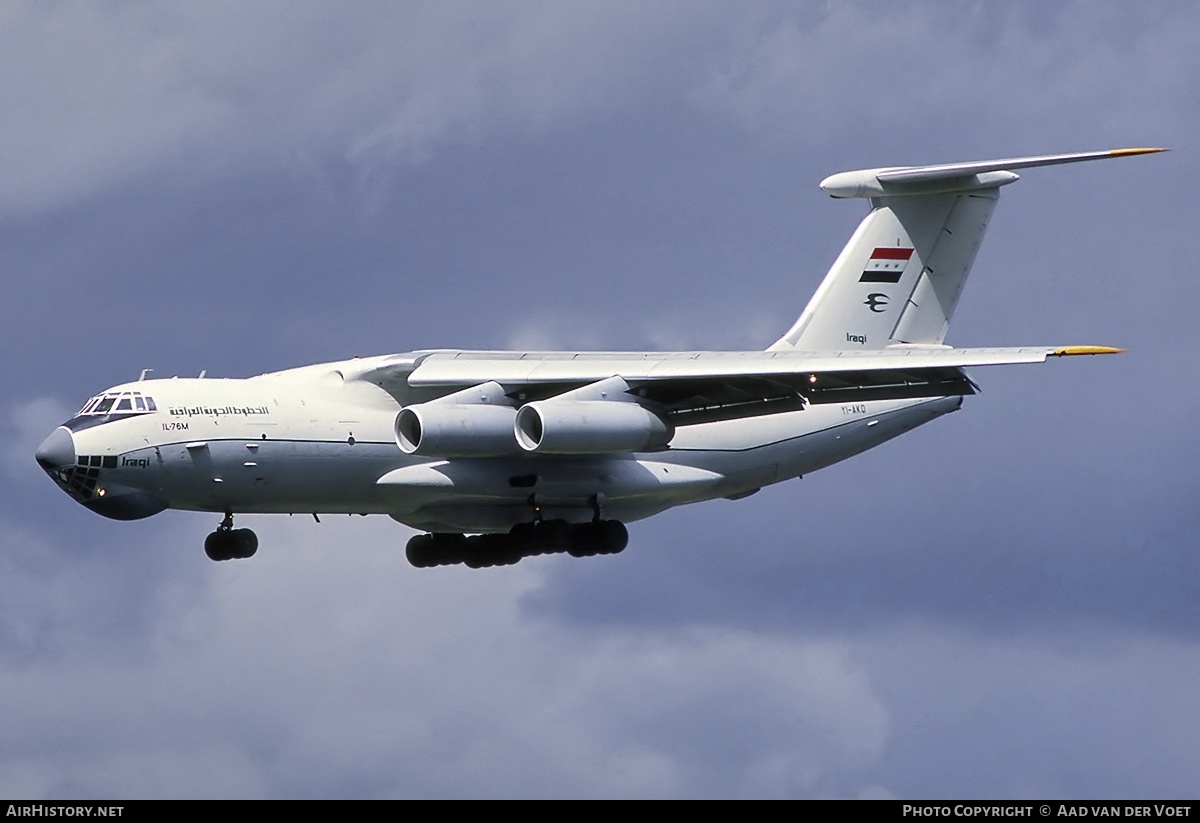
[523,540]
[228,543]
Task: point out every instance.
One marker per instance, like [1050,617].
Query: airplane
[495,456]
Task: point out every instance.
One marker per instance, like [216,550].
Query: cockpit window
[118,402]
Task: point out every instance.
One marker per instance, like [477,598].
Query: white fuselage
[319,439]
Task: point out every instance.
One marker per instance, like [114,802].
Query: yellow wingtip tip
[1072,351]
[1129,152]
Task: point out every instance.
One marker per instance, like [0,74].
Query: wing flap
[689,401]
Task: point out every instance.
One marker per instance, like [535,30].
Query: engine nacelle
[456,430]
[589,427]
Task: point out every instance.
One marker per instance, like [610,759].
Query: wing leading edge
[467,368]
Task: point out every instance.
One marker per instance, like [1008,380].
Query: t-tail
[899,278]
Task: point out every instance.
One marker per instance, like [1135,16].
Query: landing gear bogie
[523,540]
[231,544]
[228,543]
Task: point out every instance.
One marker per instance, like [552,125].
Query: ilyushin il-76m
[498,455]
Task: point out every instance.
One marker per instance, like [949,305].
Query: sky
[1000,604]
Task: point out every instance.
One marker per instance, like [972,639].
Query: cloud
[109,94]
[319,670]
[327,668]
[24,426]
[1042,715]
[112,94]
[922,73]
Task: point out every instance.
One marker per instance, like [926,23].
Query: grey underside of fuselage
[493,494]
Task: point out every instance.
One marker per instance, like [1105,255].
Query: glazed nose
[57,451]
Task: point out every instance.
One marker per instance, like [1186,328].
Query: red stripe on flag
[891,254]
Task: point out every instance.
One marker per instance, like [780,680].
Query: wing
[695,387]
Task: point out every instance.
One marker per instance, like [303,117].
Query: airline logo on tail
[876,302]
[885,266]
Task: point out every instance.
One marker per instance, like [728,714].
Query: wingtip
[1073,351]
[1131,152]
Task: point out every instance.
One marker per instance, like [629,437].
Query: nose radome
[57,450]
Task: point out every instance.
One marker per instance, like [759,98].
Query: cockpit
[118,402]
[114,404]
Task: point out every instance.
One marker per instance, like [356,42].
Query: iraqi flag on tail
[885,266]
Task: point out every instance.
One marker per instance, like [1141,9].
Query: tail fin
[899,278]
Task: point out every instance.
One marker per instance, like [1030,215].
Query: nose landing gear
[228,543]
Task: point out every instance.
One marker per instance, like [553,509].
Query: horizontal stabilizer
[946,177]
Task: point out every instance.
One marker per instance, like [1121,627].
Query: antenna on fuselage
[202,373]
[142,376]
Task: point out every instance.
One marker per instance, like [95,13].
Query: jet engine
[589,427]
[456,430]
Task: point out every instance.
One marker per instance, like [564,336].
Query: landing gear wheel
[419,551]
[553,536]
[442,549]
[214,546]
[598,537]
[484,550]
[584,541]
[524,537]
[614,537]
[477,554]
[448,548]
[228,543]
[245,543]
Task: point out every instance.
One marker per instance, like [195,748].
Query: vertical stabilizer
[899,278]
